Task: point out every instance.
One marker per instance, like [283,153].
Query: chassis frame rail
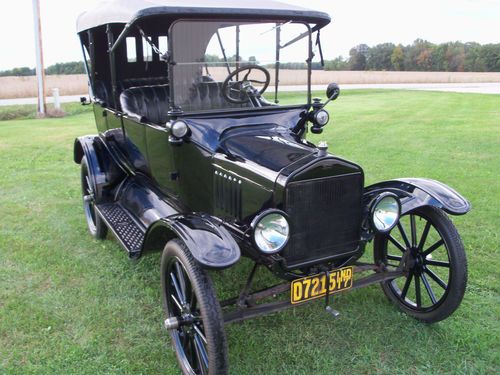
[246,307]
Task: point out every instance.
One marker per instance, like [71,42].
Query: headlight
[321,117]
[179,129]
[385,212]
[271,231]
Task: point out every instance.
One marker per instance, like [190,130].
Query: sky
[353,22]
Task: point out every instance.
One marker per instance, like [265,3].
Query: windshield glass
[227,65]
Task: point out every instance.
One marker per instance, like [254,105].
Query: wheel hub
[185,321]
[416,261]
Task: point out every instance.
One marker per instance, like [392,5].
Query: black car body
[177,157]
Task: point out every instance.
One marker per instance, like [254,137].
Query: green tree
[439,62]
[357,57]
[473,61]
[490,54]
[73,67]
[416,50]
[338,63]
[379,57]
[398,58]
[19,72]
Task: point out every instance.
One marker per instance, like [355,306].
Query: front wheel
[194,317]
[435,264]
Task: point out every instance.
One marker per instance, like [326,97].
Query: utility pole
[40,71]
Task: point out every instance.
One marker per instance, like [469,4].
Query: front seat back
[146,103]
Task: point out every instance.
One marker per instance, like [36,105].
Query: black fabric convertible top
[129,11]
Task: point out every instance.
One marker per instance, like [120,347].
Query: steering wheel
[239,92]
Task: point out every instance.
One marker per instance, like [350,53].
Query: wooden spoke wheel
[97,227]
[194,317]
[435,264]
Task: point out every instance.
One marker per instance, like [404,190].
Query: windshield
[229,65]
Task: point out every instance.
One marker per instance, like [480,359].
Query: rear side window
[131,50]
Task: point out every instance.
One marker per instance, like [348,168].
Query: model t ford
[196,156]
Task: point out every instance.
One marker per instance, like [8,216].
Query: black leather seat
[103,92]
[137,82]
[208,95]
[151,103]
[146,103]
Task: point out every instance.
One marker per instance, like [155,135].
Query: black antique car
[199,155]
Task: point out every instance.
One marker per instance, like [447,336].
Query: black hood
[271,146]
[210,132]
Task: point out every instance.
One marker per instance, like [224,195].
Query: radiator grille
[325,216]
[227,191]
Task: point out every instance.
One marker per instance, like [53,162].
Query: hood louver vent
[227,191]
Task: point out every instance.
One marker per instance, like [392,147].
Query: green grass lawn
[73,305]
[29,111]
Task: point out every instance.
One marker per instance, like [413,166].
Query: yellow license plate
[312,287]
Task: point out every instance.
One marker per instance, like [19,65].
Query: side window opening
[147,50]
[131,50]
[163,43]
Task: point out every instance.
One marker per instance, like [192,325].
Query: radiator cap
[322,149]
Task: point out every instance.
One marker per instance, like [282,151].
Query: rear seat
[103,92]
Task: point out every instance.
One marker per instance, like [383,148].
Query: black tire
[200,344]
[96,225]
[436,277]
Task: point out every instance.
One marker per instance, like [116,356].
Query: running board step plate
[128,232]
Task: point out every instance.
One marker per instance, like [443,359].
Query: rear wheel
[194,317]
[97,226]
[435,264]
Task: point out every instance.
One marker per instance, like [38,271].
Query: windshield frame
[174,108]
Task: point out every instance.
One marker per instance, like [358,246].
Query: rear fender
[208,241]
[418,192]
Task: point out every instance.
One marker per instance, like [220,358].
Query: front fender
[209,242]
[104,171]
[86,146]
[418,192]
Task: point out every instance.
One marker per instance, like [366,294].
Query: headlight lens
[385,212]
[179,129]
[321,117]
[271,232]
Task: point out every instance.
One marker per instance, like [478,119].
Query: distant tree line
[74,67]
[421,55]
[214,59]
[18,72]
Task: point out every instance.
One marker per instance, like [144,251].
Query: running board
[124,227]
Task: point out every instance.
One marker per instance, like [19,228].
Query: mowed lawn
[73,305]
